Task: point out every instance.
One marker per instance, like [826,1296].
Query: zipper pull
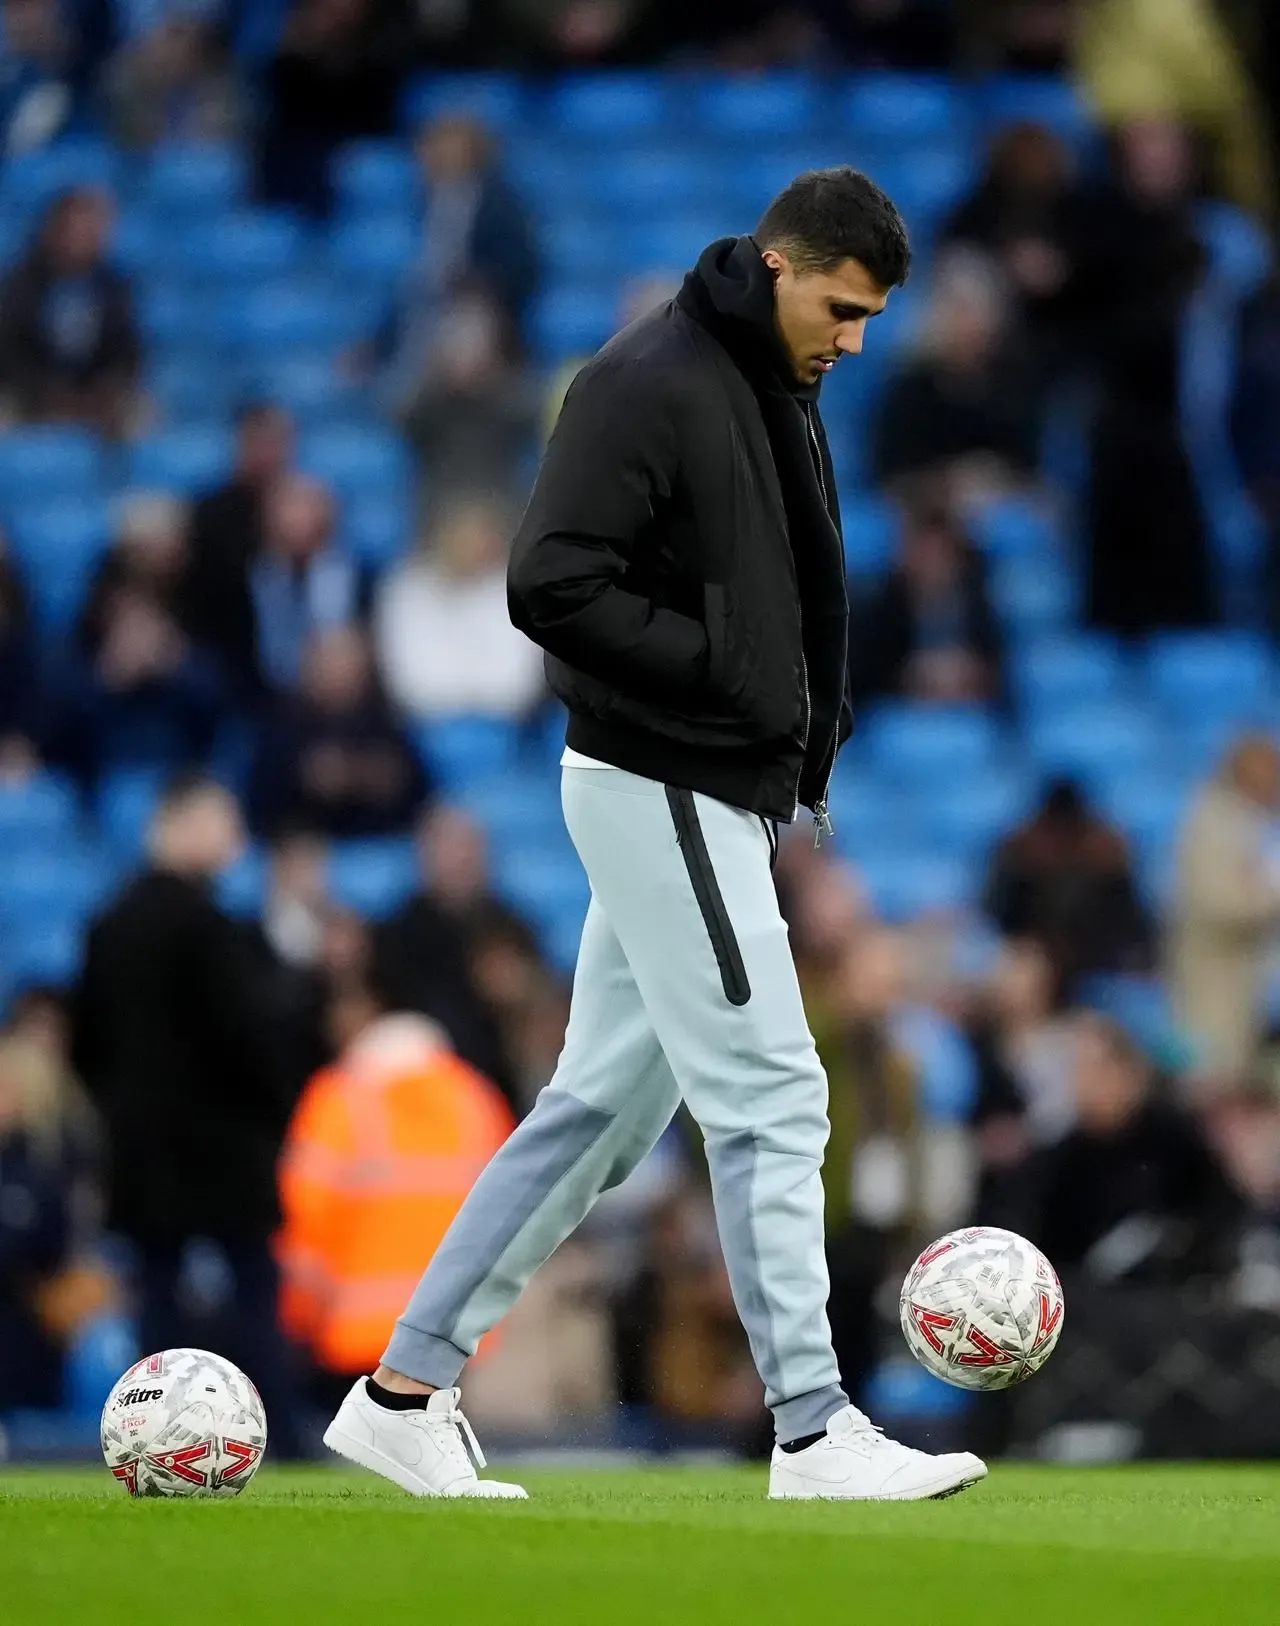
[823,829]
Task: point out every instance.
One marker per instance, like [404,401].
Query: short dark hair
[827,216]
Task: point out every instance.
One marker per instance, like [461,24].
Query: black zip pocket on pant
[706,889]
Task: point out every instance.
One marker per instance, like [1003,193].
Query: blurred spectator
[1023,1039]
[1175,59]
[967,404]
[173,1042]
[544,34]
[290,940]
[477,237]
[46,1147]
[874,1162]
[150,556]
[1227,909]
[1135,267]
[300,583]
[681,1351]
[68,342]
[431,953]
[227,533]
[172,83]
[19,699]
[139,695]
[473,417]
[37,93]
[333,757]
[1021,36]
[1255,425]
[1064,877]
[336,78]
[1134,1192]
[928,630]
[1023,215]
[357,1234]
[443,632]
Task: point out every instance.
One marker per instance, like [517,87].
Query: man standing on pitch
[680,562]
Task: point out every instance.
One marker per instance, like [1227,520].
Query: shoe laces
[861,1431]
[449,1419]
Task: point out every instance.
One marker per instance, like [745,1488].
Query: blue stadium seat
[45,953]
[377,527]
[188,460]
[928,185]
[242,889]
[58,544]
[870,535]
[373,877]
[49,462]
[574,242]
[1218,673]
[1038,99]
[549,887]
[775,106]
[1014,528]
[572,319]
[518,807]
[195,181]
[561,938]
[906,885]
[869,816]
[284,316]
[141,240]
[193,386]
[353,460]
[666,243]
[608,107]
[374,247]
[1097,741]
[900,1390]
[968,817]
[1240,254]
[377,177]
[40,811]
[896,110]
[462,750]
[1148,806]
[126,801]
[32,179]
[174,312]
[1034,596]
[244,246]
[1140,1005]
[1069,669]
[907,744]
[497,98]
[64,883]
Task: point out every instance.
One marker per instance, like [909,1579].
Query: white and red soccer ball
[981,1308]
[184,1423]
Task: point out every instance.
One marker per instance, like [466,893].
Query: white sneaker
[428,1452]
[855,1462]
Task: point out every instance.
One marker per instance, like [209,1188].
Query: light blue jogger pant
[685,989]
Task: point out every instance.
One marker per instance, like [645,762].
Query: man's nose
[849,338]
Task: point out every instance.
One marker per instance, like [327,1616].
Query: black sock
[390,1400]
[803,1443]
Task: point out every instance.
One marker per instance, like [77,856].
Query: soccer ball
[184,1423]
[981,1308]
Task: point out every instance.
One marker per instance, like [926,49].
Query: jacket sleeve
[611,463]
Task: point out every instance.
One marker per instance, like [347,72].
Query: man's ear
[775,259]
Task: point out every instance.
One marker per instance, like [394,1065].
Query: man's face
[821,314]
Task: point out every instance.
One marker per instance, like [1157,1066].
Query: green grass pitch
[662,1546]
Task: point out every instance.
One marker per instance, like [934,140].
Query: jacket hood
[730,292]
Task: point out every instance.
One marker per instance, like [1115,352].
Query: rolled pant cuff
[424,1357]
[806,1414]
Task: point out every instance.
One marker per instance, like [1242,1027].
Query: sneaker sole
[939,1495]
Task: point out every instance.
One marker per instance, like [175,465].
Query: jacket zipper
[823,829]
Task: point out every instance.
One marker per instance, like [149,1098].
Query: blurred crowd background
[291,292]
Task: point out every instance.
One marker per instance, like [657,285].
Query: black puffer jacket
[680,559]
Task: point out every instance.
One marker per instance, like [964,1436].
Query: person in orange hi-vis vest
[381,1151]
